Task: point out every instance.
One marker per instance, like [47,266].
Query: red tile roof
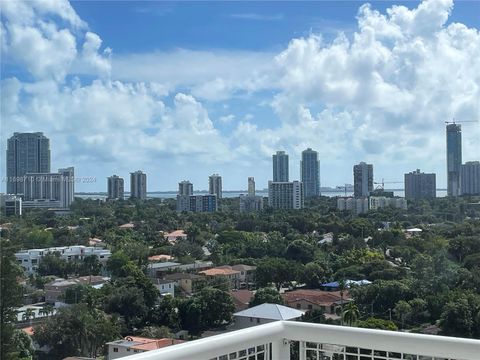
[319,297]
[219,271]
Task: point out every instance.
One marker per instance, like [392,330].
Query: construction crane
[382,184]
[464,121]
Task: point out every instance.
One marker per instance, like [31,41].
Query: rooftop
[219,271]
[271,312]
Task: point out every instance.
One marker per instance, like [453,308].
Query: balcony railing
[318,342]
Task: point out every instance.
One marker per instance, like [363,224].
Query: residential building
[188,282]
[310,173]
[285,195]
[185,190]
[215,185]
[11,204]
[203,203]
[249,203]
[377,202]
[247,273]
[326,301]
[55,290]
[251,186]
[454,158]
[134,344]
[27,153]
[49,190]
[115,188]
[362,179]
[263,314]
[280,167]
[355,205]
[157,270]
[165,287]
[138,185]
[233,276]
[185,187]
[30,259]
[241,298]
[470,178]
[419,185]
[173,236]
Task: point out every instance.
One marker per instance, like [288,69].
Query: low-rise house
[189,283]
[160,258]
[127,226]
[241,298]
[326,301]
[166,287]
[247,273]
[55,290]
[157,270]
[134,344]
[233,276]
[264,313]
[175,235]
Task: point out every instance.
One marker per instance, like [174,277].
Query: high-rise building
[115,187]
[470,178]
[419,185]
[26,153]
[250,203]
[454,158]
[203,203]
[285,195]
[11,204]
[280,167]
[362,179]
[185,188]
[215,185]
[251,186]
[49,189]
[310,173]
[138,185]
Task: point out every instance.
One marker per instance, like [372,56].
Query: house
[133,344]
[166,287]
[175,235]
[221,272]
[55,290]
[241,298]
[127,226]
[160,258]
[326,301]
[247,273]
[157,270]
[185,281]
[264,313]
[95,241]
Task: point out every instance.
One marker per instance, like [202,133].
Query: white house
[264,313]
[165,287]
[134,344]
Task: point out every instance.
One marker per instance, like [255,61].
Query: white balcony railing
[318,342]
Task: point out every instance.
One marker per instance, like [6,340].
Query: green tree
[157,332]
[90,265]
[300,250]
[350,313]
[23,345]
[403,311]
[376,323]
[116,262]
[312,275]
[10,298]
[457,318]
[277,271]
[77,331]
[266,295]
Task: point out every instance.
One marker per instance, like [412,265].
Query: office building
[30,259]
[138,185]
[454,158]
[285,195]
[310,173]
[280,167]
[11,204]
[470,178]
[419,185]
[362,179]
[215,185]
[49,190]
[251,186]
[27,153]
[115,189]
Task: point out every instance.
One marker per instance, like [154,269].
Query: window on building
[310,307]
[258,321]
[299,305]
[251,319]
[115,349]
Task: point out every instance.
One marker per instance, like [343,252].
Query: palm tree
[351,313]
[28,315]
[47,309]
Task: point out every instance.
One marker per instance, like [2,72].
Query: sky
[182,90]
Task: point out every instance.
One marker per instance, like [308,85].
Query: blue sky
[185,89]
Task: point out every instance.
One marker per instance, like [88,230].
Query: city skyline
[111,104]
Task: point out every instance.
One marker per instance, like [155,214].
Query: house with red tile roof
[134,344]
[308,299]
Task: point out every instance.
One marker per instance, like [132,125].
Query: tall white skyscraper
[362,179]
[138,185]
[310,173]
[280,167]
[215,185]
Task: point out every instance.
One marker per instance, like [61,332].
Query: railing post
[302,355]
[281,349]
